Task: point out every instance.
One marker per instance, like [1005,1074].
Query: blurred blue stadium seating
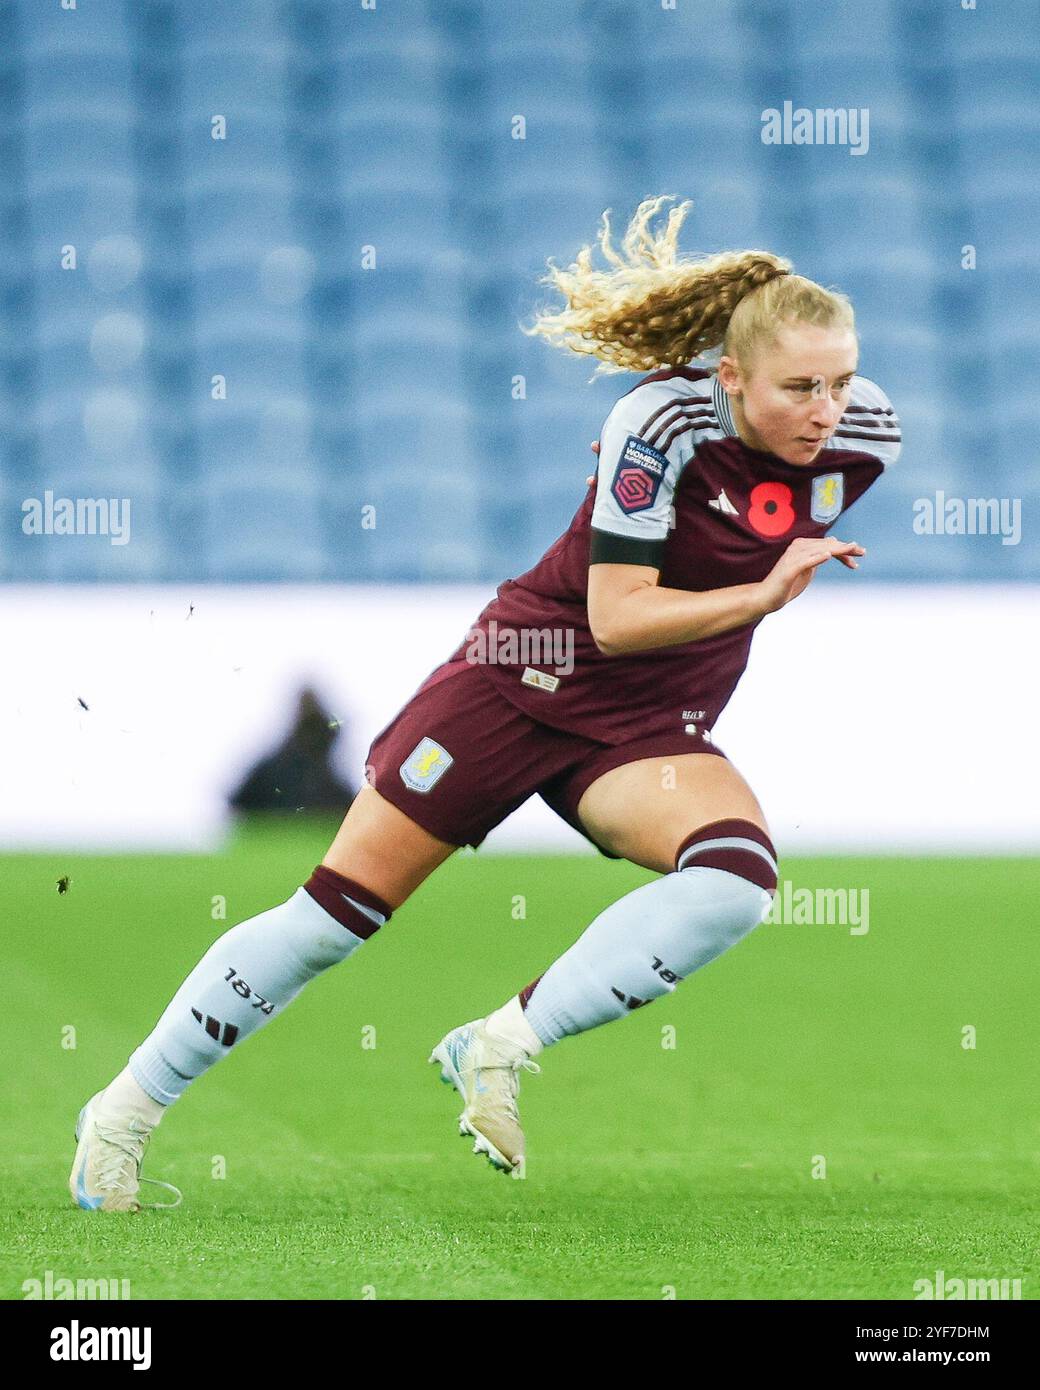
[353,259]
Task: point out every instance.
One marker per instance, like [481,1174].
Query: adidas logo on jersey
[723,504]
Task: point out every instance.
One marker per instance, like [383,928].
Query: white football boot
[106,1172]
[484,1069]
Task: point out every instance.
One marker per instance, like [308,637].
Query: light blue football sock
[641,947]
[246,977]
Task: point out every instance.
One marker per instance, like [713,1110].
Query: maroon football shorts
[458,758]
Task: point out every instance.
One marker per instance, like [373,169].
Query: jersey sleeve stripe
[697,424]
[707,418]
[870,418]
[887,437]
[676,403]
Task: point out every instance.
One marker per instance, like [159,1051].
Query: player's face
[790,401]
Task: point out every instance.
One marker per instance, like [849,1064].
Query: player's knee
[380,847]
[744,853]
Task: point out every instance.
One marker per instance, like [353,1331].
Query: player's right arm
[628,609]
[630,612]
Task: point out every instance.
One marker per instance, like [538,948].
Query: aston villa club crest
[828,496]
[427,762]
[637,478]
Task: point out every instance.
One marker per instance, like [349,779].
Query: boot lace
[119,1164]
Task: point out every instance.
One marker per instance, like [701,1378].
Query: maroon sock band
[327,887]
[735,860]
[526,992]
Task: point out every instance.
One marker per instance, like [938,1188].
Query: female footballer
[716,488]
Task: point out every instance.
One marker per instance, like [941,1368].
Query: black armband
[608,549]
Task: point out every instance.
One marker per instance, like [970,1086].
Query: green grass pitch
[653,1171]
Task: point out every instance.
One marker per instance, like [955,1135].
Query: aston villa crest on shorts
[828,495]
[637,478]
[424,765]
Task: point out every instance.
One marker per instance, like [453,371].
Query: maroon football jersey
[676,488]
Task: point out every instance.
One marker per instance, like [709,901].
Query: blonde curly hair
[657,309]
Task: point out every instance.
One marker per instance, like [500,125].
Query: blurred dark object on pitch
[298,775]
